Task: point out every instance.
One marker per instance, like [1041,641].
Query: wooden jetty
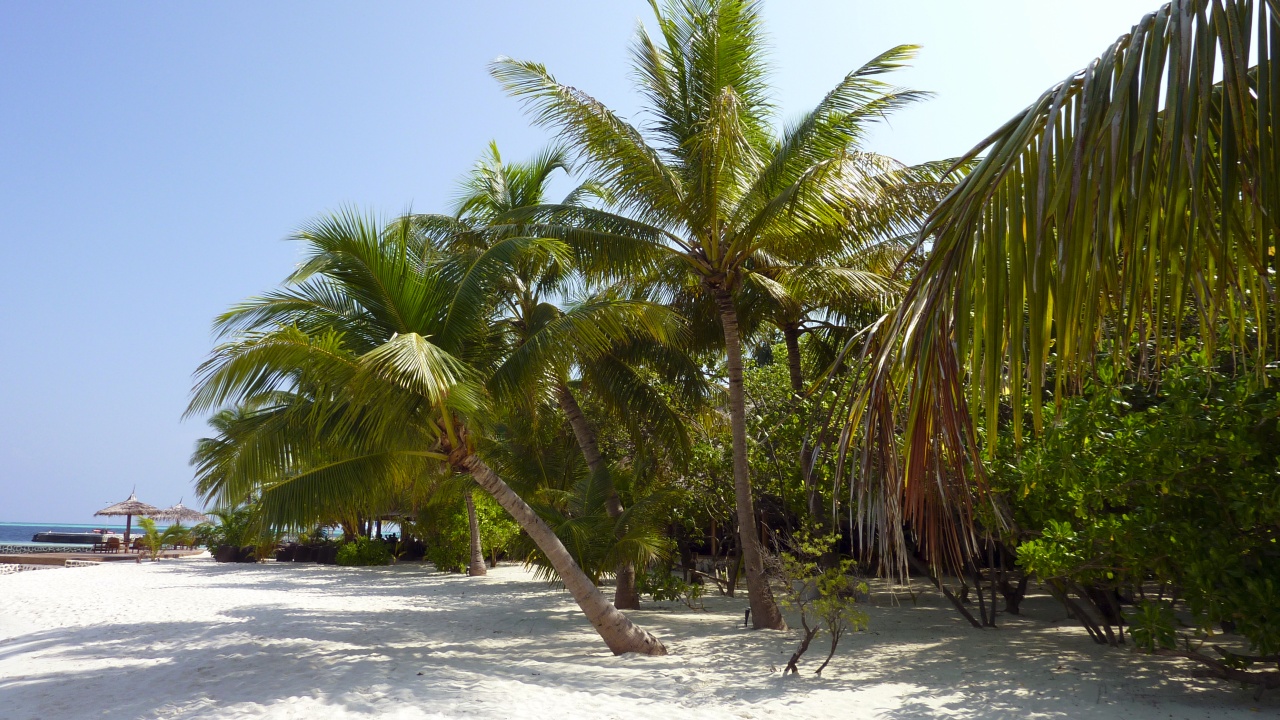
[61,558]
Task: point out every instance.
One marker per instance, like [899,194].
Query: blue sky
[154,155]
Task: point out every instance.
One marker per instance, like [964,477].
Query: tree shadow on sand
[440,643]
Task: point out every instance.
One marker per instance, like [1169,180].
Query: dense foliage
[696,362]
[443,529]
[364,551]
[1157,493]
[155,539]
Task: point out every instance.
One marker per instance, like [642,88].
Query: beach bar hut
[179,514]
[128,508]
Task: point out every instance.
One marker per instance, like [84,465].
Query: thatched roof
[180,513]
[132,506]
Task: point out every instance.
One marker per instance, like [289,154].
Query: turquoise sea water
[20,533]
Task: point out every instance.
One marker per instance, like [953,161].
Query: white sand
[194,639]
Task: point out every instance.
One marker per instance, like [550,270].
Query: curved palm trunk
[625,596]
[764,609]
[618,632]
[477,551]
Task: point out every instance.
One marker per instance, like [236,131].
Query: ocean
[20,533]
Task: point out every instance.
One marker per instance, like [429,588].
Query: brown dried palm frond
[1134,199]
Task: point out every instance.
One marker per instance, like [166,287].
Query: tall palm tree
[385,345]
[601,336]
[709,184]
[1135,198]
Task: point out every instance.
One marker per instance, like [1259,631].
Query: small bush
[445,532]
[449,557]
[446,535]
[364,551]
[827,599]
[663,586]
[1153,626]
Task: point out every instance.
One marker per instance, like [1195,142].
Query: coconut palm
[832,296]
[600,337]
[1133,201]
[231,452]
[476,567]
[382,348]
[536,457]
[154,539]
[708,183]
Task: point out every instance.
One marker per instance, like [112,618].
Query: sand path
[194,639]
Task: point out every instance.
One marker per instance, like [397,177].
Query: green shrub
[447,553]
[1153,626]
[446,535]
[364,551]
[826,599]
[1175,488]
[663,586]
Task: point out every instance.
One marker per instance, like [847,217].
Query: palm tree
[836,295]
[239,432]
[597,335]
[827,301]
[381,348]
[575,501]
[155,540]
[476,566]
[710,184]
[1129,203]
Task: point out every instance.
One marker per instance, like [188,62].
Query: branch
[1217,668]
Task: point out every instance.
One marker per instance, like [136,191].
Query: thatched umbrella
[180,513]
[128,508]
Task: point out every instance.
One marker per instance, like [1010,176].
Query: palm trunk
[764,609]
[477,551]
[618,632]
[625,596]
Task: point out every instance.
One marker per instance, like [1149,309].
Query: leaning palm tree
[1133,201]
[599,337]
[380,348]
[709,184]
[575,500]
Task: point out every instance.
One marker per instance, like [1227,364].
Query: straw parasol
[128,508]
[180,513]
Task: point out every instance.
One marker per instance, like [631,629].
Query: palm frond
[1133,193]
[613,150]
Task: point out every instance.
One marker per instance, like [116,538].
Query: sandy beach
[194,639]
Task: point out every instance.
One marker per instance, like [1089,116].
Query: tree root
[1218,669]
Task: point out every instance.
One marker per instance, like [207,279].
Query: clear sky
[154,155]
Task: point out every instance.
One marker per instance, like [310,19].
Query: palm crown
[380,346]
[707,184]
